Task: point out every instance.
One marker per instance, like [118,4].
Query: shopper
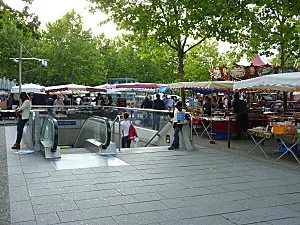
[158,104]
[177,124]
[125,125]
[23,117]
[240,109]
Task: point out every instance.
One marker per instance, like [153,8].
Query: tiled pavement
[158,187]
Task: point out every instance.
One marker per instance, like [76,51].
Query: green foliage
[275,26]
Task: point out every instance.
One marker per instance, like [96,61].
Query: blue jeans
[20,127]
[177,128]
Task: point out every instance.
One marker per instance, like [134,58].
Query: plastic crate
[218,135]
[282,148]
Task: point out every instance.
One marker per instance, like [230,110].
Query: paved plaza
[151,186]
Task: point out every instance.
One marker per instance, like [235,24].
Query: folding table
[262,135]
[289,139]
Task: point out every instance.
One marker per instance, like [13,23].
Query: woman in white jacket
[23,117]
[178,118]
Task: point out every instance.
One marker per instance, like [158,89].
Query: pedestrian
[23,117]
[158,104]
[10,101]
[177,125]
[240,109]
[125,125]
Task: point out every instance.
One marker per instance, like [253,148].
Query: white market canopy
[274,82]
[209,85]
[73,88]
[38,89]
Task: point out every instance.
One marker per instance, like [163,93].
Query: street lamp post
[20,59]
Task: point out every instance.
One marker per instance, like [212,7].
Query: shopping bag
[132,132]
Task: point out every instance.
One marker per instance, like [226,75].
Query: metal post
[20,71]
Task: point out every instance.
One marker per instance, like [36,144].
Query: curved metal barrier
[95,135]
[49,138]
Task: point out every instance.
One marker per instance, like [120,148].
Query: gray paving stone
[91,213]
[201,210]
[261,215]
[270,201]
[45,219]
[210,220]
[286,189]
[70,183]
[37,186]
[54,207]
[36,175]
[16,180]
[148,197]
[205,199]
[90,195]
[139,218]
[15,170]
[107,201]
[295,207]
[124,184]
[143,189]
[25,223]
[185,192]
[19,193]
[21,211]
[286,221]
[145,207]
[46,191]
[100,221]
[81,188]
[46,199]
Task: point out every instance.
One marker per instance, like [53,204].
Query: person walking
[177,125]
[240,109]
[125,125]
[23,117]
[158,104]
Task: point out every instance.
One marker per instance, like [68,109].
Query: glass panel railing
[49,133]
[96,129]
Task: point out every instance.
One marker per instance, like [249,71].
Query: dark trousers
[20,127]
[241,123]
[125,142]
[156,121]
[177,128]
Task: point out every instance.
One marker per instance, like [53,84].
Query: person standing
[125,125]
[240,109]
[176,124]
[158,104]
[23,116]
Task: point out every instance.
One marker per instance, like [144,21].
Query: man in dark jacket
[147,104]
[158,104]
[240,109]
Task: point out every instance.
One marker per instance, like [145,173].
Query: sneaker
[16,146]
[172,148]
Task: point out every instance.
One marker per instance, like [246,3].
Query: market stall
[216,124]
[286,130]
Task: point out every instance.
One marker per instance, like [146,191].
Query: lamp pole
[20,70]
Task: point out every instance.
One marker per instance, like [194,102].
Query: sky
[51,10]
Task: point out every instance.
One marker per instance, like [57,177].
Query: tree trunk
[181,73]
[282,62]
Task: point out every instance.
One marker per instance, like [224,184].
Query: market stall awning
[274,82]
[208,85]
[29,88]
[140,85]
[73,88]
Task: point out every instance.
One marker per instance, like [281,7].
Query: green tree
[175,22]
[275,25]
[74,54]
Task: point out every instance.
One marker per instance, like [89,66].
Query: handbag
[132,132]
